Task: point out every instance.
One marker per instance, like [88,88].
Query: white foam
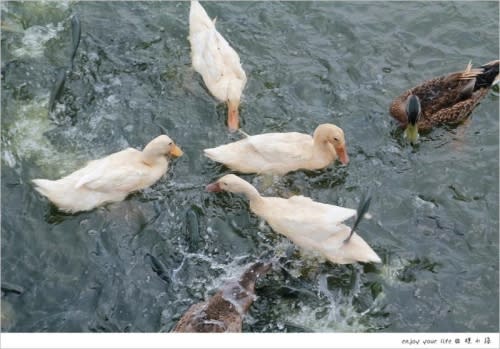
[391,270]
[25,139]
[9,158]
[35,38]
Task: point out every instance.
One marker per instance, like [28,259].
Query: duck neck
[151,159]
[323,152]
[251,193]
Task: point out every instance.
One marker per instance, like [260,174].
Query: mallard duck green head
[413,110]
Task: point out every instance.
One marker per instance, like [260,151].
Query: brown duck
[447,99]
[224,311]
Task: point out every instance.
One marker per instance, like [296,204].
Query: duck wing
[335,214]
[301,218]
[117,172]
[318,226]
[282,147]
[456,113]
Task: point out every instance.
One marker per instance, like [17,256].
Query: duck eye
[170,143]
[335,139]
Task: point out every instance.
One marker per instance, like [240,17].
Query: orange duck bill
[342,154]
[213,187]
[175,151]
[233,116]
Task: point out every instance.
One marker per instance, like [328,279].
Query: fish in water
[363,206]
[13,288]
[225,310]
[76,32]
[57,89]
[159,268]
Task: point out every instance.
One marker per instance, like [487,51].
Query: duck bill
[176,151]
[233,117]
[213,187]
[342,154]
[411,133]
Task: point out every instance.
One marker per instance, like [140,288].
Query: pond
[435,206]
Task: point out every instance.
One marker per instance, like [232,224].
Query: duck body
[280,153]
[447,99]
[110,179]
[309,224]
[224,311]
[216,61]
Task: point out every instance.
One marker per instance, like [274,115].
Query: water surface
[435,207]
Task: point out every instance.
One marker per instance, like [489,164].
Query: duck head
[161,146]
[230,183]
[335,136]
[250,276]
[413,111]
[234,184]
[234,90]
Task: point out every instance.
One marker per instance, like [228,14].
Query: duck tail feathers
[469,72]
[43,186]
[486,76]
[199,20]
[489,75]
[251,275]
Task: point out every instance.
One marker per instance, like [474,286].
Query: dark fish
[292,327]
[6,66]
[364,204]
[76,32]
[159,268]
[57,89]
[192,230]
[8,287]
[224,311]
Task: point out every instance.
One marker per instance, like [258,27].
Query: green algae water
[136,266]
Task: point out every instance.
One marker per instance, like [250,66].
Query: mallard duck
[309,224]
[447,99]
[216,61]
[280,153]
[110,179]
[224,311]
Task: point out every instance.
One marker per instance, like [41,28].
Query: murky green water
[435,207]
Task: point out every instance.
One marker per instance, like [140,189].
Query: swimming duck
[309,224]
[216,61]
[224,311]
[447,99]
[110,179]
[280,153]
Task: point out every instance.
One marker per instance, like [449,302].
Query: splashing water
[35,38]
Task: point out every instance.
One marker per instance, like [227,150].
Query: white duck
[279,153]
[216,61]
[309,224]
[111,178]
